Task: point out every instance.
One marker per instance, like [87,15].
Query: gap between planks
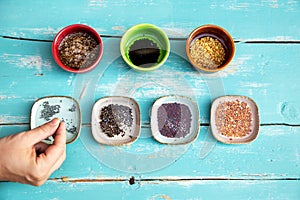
[133,180]
[171,38]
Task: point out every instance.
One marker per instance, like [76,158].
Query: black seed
[114,119]
[49,110]
[73,108]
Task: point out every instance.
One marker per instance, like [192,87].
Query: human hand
[25,159]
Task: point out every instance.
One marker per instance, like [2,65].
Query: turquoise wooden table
[265,67]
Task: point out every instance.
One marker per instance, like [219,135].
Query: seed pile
[115,119]
[174,120]
[73,108]
[49,110]
[233,118]
[78,50]
[208,52]
[70,128]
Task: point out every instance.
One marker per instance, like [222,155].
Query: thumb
[42,132]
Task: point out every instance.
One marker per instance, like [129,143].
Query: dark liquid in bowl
[144,53]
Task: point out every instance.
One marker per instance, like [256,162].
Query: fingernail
[54,122]
[62,123]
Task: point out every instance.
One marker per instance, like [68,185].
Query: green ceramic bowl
[145,47]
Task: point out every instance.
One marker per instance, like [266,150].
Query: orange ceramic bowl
[214,32]
[75,28]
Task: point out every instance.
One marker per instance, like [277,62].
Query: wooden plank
[265,68]
[155,190]
[146,158]
[245,20]
[257,70]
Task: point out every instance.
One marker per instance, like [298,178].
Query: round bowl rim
[158,30]
[191,37]
[58,38]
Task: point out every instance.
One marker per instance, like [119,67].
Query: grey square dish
[121,123]
[65,108]
[175,120]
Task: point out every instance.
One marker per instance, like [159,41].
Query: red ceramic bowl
[74,28]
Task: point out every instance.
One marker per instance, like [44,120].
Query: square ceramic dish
[65,108]
[116,120]
[234,119]
[175,120]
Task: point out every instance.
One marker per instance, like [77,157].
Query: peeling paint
[292,6]
[12,84]
[174,32]
[40,31]
[255,85]
[97,3]
[231,5]
[119,28]
[152,156]
[161,196]
[233,67]
[26,61]
[275,132]
[298,154]
[70,80]
[14,119]
[272,3]
[4,97]
[32,61]
[278,38]
[234,5]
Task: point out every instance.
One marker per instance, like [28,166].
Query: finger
[42,132]
[40,147]
[58,163]
[60,137]
[57,149]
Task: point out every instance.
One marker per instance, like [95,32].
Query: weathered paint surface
[265,67]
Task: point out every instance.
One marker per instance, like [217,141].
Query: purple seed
[174,120]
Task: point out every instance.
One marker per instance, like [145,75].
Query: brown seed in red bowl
[77,48]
